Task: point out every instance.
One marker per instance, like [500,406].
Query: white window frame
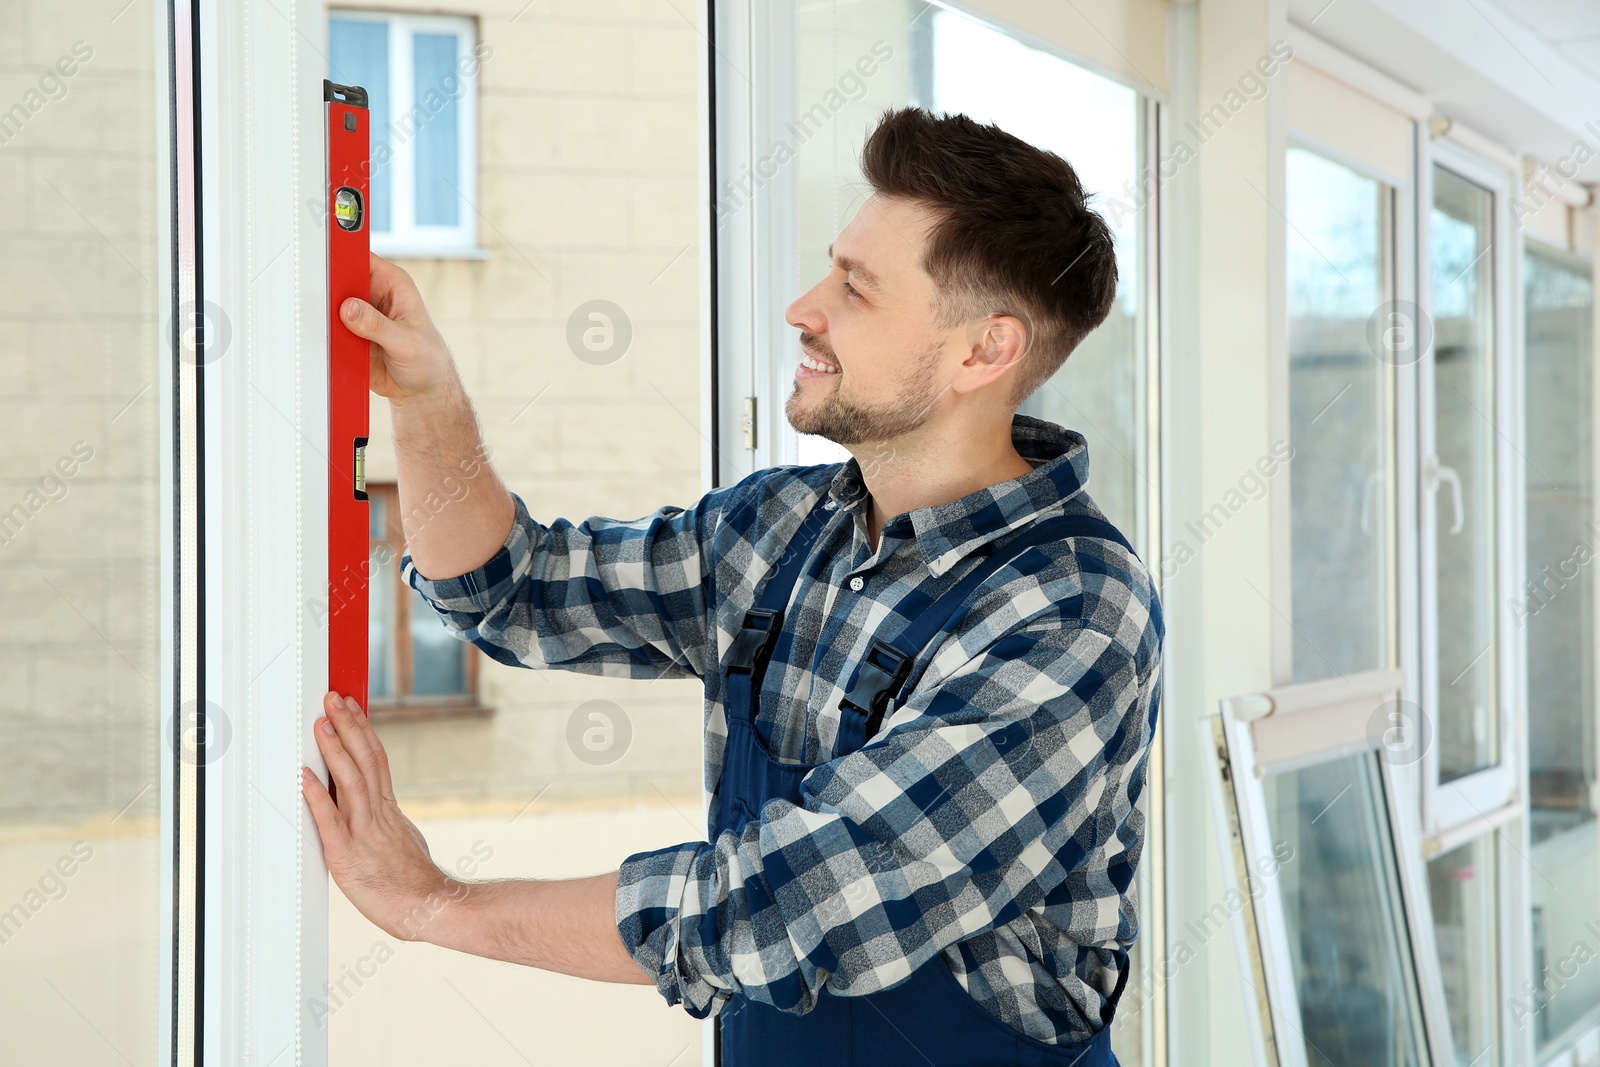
[1396,260]
[406,238]
[1486,802]
[1290,728]
[1480,795]
[263,262]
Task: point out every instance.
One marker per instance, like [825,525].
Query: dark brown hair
[1014,233]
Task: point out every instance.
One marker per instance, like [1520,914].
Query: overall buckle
[882,672]
[753,644]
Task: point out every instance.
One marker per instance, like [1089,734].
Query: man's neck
[934,465]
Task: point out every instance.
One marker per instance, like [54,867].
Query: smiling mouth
[821,366]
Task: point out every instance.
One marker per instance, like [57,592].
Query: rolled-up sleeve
[1009,784]
[602,596]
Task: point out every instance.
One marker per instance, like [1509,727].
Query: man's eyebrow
[859,269]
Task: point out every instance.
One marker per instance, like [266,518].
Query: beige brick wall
[588,154]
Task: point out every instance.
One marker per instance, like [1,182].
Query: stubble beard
[846,421]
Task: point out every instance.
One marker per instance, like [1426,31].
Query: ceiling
[1572,26]
[1527,76]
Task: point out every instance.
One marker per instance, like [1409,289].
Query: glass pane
[83,339]
[1340,420]
[436,89]
[1557,611]
[358,54]
[438,661]
[1347,935]
[1461,889]
[1463,345]
[603,222]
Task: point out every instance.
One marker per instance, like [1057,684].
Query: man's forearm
[455,511]
[565,925]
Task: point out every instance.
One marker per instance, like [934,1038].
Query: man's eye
[851,291]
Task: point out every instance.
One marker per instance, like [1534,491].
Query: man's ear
[995,346]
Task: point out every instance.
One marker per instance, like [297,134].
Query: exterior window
[420,73]
[417,668]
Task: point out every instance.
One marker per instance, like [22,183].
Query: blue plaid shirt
[1020,867]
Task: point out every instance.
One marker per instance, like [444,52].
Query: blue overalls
[927,1018]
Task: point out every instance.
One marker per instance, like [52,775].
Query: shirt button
[856,583]
[830,503]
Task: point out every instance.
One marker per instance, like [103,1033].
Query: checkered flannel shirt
[989,826]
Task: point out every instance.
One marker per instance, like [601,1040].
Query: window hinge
[748,423]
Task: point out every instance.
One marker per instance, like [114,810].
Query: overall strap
[884,671]
[758,633]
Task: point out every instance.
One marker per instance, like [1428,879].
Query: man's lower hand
[376,855]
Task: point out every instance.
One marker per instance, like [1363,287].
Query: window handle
[1433,473]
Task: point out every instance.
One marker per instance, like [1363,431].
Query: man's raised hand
[409,357]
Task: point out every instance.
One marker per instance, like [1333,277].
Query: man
[931,672]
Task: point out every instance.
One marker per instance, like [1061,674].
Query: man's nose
[805,313]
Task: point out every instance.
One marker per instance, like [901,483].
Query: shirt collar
[947,532]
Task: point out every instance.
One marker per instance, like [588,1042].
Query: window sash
[1446,804]
[1379,497]
[1235,738]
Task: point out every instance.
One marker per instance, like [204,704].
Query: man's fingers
[346,773]
[358,738]
[331,825]
[393,291]
[364,320]
[378,766]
